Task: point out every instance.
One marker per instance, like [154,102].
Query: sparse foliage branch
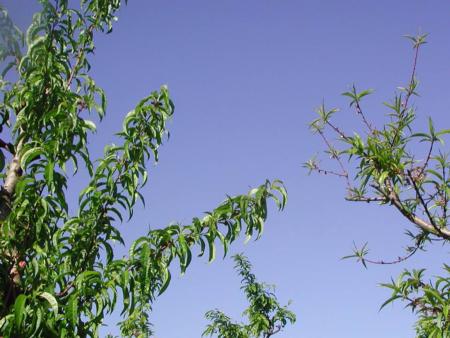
[396,166]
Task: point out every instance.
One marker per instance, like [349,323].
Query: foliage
[430,300]
[59,276]
[410,171]
[265,315]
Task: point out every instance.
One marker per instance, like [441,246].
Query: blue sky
[246,77]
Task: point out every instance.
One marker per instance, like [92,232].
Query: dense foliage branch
[59,276]
[394,165]
[266,317]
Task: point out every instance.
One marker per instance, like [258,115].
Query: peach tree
[59,275]
[397,166]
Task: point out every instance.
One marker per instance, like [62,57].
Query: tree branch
[422,224]
[7,146]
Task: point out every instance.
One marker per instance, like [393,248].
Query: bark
[7,191]
[442,232]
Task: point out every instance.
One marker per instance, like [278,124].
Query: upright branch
[356,97]
[266,317]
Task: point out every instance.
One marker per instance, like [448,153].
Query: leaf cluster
[266,317]
[429,299]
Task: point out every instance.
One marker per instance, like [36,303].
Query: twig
[8,146]
[425,206]
[360,112]
[413,75]
[409,92]
[330,147]
[444,197]
[427,159]
[395,261]
[337,130]
[328,172]
[64,292]
[367,199]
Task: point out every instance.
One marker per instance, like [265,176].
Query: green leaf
[90,125]
[19,309]
[390,300]
[72,310]
[212,249]
[30,155]
[51,300]
[166,277]
[383,177]
[49,170]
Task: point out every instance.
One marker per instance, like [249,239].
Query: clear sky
[246,77]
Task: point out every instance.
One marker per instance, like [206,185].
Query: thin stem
[337,130]
[360,113]
[427,159]
[395,261]
[413,75]
[424,205]
[330,147]
[444,197]
[329,172]
[367,199]
[409,92]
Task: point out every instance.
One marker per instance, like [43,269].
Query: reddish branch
[336,157]
[409,91]
[366,199]
[413,75]
[395,261]
[360,113]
